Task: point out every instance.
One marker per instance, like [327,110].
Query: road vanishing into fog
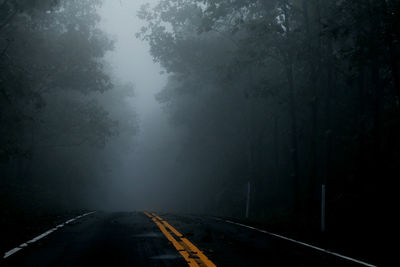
[148,239]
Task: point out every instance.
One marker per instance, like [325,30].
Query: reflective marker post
[323,200]
[248,200]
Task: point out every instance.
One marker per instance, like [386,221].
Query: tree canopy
[58,97]
[286,95]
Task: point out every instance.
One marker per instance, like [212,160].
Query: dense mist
[277,111]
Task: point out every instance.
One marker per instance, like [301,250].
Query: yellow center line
[175,243]
[189,244]
[188,250]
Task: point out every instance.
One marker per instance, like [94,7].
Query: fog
[139,182]
[284,112]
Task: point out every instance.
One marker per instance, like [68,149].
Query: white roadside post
[323,200]
[248,200]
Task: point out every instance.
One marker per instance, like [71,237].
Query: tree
[63,56]
[58,101]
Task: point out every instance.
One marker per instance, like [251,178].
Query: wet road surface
[137,239]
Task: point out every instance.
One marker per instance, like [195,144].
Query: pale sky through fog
[131,60]
[156,141]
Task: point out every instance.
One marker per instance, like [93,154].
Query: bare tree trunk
[394,60]
[314,108]
[393,32]
[293,117]
[294,150]
[250,181]
[376,88]
[362,130]
[375,79]
[328,116]
[276,149]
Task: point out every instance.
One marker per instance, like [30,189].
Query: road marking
[41,236]
[10,252]
[175,243]
[192,255]
[301,243]
[35,239]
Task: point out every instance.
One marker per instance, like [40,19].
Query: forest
[280,99]
[287,112]
[60,108]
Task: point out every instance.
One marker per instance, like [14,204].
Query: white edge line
[302,243]
[12,251]
[70,221]
[33,240]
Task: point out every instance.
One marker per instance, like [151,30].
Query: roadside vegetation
[287,96]
[60,108]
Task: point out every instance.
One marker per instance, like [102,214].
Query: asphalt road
[135,239]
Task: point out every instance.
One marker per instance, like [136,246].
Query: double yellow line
[192,255]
